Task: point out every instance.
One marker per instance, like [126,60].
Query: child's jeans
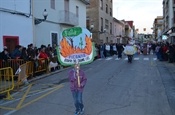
[77,95]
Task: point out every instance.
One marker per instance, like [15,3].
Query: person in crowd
[114,49]
[149,48]
[119,50]
[157,51]
[32,55]
[102,48]
[4,55]
[77,81]
[170,53]
[153,47]
[161,53]
[54,49]
[105,54]
[164,52]
[42,53]
[24,54]
[31,52]
[129,50]
[16,53]
[111,49]
[107,49]
[49,50]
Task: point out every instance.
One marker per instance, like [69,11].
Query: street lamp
[104,30]
[91,27]
[38,21]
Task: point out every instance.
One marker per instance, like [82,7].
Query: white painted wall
[82,11]
[43,35]
[119,28]
[43,30]
[15,25]
[131,34]
[170,9]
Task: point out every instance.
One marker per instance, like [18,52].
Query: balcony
[68,18]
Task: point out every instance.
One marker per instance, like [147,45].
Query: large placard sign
[75,44]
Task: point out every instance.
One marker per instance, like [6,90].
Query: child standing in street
[77,81]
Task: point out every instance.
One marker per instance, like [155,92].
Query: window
[107,39]
[110,28]
[106,24]
[106,8]
[66,5]
[52,3]
[77,11]
[101,4]
[54,38]
[102,24]
[174,17]
[110,11]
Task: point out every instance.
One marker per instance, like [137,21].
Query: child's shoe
[82,112]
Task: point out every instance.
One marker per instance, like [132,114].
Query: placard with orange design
[75,44]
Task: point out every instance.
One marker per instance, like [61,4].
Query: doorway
[11,42]
[54,39]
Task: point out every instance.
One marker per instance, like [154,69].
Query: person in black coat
[170,54]
[4,55]
[119,50]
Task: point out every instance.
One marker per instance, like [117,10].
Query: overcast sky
[142,12]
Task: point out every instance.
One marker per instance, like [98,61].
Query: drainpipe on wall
[33,25]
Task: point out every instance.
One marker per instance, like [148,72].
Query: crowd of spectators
[163,50]
[31,53]
[110,49]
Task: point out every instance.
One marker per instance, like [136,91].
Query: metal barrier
[6,81]
[13,63]
[22,74]
[29,68]
[42,65]
[21,69]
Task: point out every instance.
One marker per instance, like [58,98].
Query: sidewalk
[32,79]
[47,74]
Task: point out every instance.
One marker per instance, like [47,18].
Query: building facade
[169,20]
[15,23]
[22,22]
[129,31]
[118,30]
[157,28]
[62,14]
[100,20]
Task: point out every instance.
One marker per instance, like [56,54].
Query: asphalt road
[114,87]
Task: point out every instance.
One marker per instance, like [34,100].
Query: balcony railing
[68,18]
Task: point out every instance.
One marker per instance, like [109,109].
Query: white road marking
[117,59]
[136,58]
[109,58]
[126,59]
[154,59]
[146,59]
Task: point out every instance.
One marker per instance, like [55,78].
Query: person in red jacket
[42,53]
